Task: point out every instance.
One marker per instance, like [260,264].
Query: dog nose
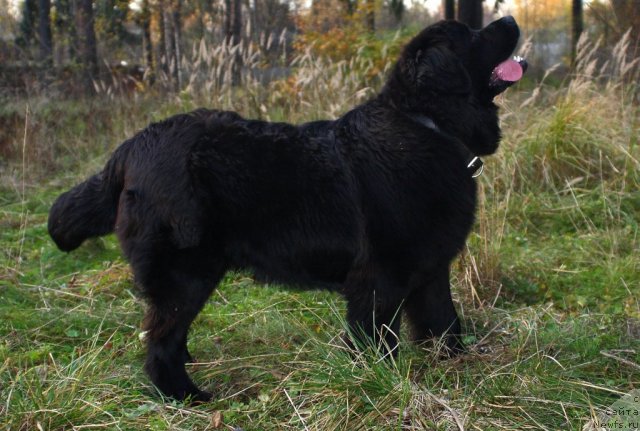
[507,23]
[502,27]
[523,64]
[509,20]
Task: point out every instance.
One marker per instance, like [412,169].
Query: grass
[548,286]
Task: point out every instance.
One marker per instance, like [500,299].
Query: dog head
[451,73]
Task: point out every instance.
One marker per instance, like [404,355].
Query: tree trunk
[349,5]
[257,26]
[169,44]
[228,19]
[27,23]
[237,21]
[147,45]
[177,37]
[44,32]
[449,9]
[201,10]
[470,13]
[576,27]
[74,34]
[162,46]
[237,39]
[67,42]
[371,16]
[88,49]
[397,10]
[233,31]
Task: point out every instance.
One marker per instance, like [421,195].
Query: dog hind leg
[175,296]
[373,309]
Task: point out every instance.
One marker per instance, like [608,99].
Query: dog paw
[200,397]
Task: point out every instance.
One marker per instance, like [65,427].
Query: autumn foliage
[332,31]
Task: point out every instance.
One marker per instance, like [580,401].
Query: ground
[548,289]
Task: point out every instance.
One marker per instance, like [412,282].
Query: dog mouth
[507,73]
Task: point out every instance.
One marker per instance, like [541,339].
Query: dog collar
[475,165]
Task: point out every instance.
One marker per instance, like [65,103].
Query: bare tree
[27,23]
[44,32]
[350,5]
[169,44]
[228,18]
[577,26]
[66,29]
[233,21]
[237,22]
[449,9]
[176,24]
[147,45]
[162,56]
[470,13]
[397,10]
[170,28]
[233,35]
[371,15]
[87,38]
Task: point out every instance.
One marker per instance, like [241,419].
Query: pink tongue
[509,70]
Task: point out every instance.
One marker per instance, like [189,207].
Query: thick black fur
[375,204]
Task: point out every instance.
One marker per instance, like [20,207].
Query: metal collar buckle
[476,167]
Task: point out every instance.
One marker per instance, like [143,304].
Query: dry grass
[548,285]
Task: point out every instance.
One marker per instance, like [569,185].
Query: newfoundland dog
[374,205]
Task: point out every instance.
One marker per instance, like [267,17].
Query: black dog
[374,205]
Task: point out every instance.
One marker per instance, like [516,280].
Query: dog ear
[440,70]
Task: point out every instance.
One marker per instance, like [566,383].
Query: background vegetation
[548,286]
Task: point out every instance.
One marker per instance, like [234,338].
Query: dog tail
[89,209]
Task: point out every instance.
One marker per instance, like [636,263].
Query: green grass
[548,288]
